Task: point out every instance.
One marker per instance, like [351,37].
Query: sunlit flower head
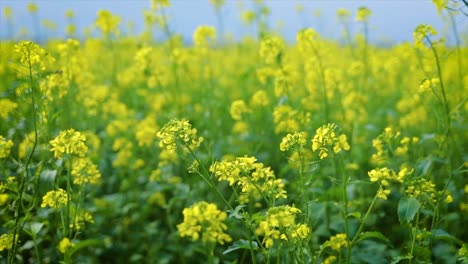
[204,221]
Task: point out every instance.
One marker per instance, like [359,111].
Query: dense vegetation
[119,149]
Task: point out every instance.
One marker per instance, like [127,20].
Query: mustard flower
[259,99]
[337,242]
[5,147]
[248,16]
[159,3]
[252,177]
[217,3]
[6,241]
[7,12]
[326,137]
[6,107]
[85,171]
[238,108]
[306,39]
[271,48]
[107,22]
[32,8]
[55,199]
[64,245]
[203,35]
[293,141]
[343,14]
[423,190]
[363,14]
[422,36]
[80,220]
[384,176]
[31,54]
[146,131]
[280,224]
[178,131]
[329,260]
[204,221]
[3,198]
[69,142]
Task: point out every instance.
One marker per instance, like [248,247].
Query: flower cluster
[6,107]
[31,54]
[306,39]
[280,224]
[69,142]
[384,176]
[337,242]
[389,144]
[363,14]
[203,35]
[5,147]
[107,22]
[423,190]
[55,199]
[178,130]
[6,241]
[204,220]
[326,137]
[293,141]
[422,36]
[85,171]
[253,178]
[64,245]
[271,49]
[238,108]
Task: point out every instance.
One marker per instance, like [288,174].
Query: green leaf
[407,209]
[440,234]
[84,244]
[374,235]
[241,244]
[35,228]
[236,212]
[397,259]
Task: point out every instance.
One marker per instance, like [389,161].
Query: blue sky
[392,20]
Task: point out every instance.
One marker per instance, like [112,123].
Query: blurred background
[391,21]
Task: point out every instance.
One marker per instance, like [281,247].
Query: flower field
[118,148]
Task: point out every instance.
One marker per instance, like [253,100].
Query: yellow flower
[69,142]
[238,107]
[55,199]
[6,241]
[85,171]
[326,137]
[337,242]
[293,141]
[271,48]
[203,35]
[204,221]
[178,131]
[32,8]
[217,3]
[64,245]
[3,198]
[363,14]
[5,147]
[280,224]
[107,22]
[7,12]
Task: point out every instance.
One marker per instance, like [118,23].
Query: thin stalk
[18,227]
[364,220]
[324,85]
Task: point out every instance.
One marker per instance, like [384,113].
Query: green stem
[301,177]
[364,220]
[18,227]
